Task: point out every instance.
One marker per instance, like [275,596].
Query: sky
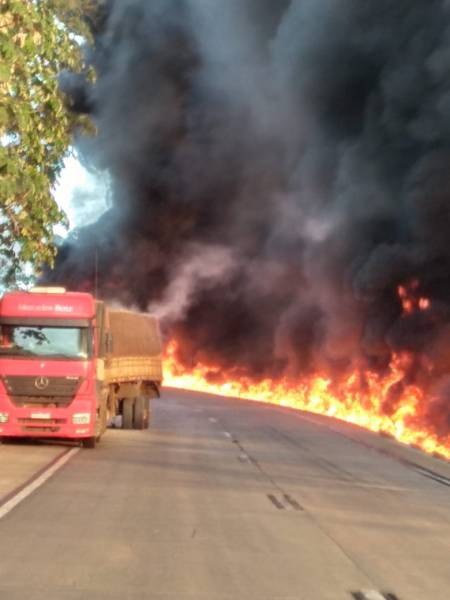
[81,194]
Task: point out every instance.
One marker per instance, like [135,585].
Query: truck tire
[103,421]
[127,413]
[141,412]
[89,442]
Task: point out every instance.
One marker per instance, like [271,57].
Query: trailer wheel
[141,412]
[103,421]
[89,442]
[127,413]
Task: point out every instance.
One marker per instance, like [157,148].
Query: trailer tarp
[134,334]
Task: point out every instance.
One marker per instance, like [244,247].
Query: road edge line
[20,493]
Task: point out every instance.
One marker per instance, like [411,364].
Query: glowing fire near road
[381,403]
[357,399]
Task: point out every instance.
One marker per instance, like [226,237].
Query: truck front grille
[31,422]
[42,391]
[41,429]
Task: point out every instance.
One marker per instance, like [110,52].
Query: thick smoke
[279,169]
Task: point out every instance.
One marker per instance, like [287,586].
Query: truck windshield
[34,340]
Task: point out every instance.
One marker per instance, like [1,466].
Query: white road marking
[36,483]
[372,595]
[227,434]
[212,420]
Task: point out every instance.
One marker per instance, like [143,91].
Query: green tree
[38,39]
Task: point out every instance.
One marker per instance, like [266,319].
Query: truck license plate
[40,416]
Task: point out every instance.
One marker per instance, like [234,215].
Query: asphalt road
[228,500]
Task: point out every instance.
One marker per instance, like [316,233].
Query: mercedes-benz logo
[41,383]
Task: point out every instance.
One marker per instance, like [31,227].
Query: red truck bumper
[68,423]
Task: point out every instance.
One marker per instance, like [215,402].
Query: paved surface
[227,500]
[18,463]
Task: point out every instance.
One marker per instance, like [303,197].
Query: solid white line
[34,485]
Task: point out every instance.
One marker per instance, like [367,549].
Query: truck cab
[47,365]
[69,365]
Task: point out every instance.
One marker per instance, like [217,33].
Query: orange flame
[424,304]
[411,302]
[349,400]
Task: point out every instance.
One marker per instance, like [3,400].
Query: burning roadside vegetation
[281,199]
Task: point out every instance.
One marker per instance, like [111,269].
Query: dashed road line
[244,457]
[292,502]
[373,595]
[285,502]
[9,502]
[276,502]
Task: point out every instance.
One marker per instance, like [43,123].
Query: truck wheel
[7,440]
[89,442]
[103,421]
[141,412]
[127,414]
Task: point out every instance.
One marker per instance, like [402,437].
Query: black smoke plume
[279,169]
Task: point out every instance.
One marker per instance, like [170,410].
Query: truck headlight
[81,419]
[4,417]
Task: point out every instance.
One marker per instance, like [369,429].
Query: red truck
[70,366]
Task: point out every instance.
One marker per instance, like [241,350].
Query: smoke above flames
[280,170]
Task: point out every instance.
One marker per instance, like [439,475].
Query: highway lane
[19,463]
[230,500]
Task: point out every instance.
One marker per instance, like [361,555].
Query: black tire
[127,414]
[141,412]
[7,440]
[103,421]
[89,442]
